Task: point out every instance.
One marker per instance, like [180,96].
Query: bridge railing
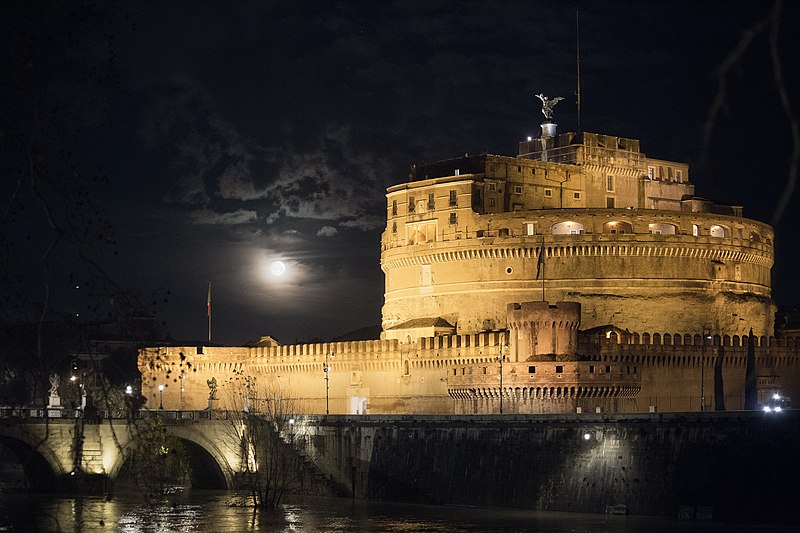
[103,414]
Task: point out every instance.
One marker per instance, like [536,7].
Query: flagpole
[209,311]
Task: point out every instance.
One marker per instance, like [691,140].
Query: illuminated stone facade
[641,270]
[621,234]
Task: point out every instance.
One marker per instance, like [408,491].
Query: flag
[209,298]
[540,260]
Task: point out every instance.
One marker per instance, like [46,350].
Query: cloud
[240,216]
[327,231]
[364,223]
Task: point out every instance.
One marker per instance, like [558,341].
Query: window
[519,169]
[411,205]
[503,232]
[530,228]
[394,227]
[453,198]
[517,189]
[548,193]
[679,175]
[651,172]
[431,201]
[492,187]
[491,202]
[591,369]
[609,183]
[533,171]
[453,218]
[576,196]
[531,370]
[456,172]
[608,369]
[559,369]
[517,207]
[609,202]
[479,233]
[669,173]
[695,230]
[660,172]
[394,208]
[199,351]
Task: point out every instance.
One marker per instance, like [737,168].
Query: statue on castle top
[548,104]
[212,388]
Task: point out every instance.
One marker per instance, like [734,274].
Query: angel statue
[548,104]
[212,388]
[55,381]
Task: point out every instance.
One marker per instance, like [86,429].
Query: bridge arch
[40,465]
[217,460]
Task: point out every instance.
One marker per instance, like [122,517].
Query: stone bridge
[53,449]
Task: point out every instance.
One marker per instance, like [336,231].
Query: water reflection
[223,512]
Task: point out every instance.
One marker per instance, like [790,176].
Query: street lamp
[501,358]
[161,396]
[706,335]
[327,369]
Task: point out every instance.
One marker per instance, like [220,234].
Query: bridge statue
[212,388]
[548,104]
[54,402]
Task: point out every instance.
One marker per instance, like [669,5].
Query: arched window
[720,232]
[406,368]
[567,228]
[616,227]
[661,229]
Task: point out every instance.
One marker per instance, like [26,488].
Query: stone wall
[732,466]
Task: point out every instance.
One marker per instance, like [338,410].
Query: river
[223,512]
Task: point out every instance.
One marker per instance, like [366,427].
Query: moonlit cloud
[327,231]
[240,216]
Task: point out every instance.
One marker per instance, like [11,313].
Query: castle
[657,293]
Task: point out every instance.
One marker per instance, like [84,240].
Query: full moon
[277,268]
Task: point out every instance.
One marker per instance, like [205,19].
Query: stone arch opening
[661,229]
[567,228]
[720,232]
[206,472]
[617,227]
[34,470]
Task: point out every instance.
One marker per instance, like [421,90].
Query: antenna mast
[578,57]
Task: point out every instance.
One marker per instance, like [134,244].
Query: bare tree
[262,420]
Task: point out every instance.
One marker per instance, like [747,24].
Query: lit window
[651,172]
[548,193]
[695,230]
[456,172]
[530,229]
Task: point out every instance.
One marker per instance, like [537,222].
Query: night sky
[152,147]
